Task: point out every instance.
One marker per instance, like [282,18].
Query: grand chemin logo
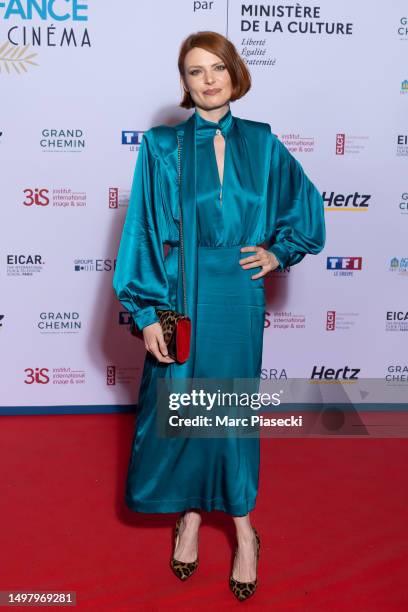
[63,140]
[403,28]
[57,322]
[403,203]
[397,373]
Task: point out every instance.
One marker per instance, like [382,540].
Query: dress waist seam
[222,246]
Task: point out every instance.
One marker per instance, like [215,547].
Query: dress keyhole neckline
[221,182]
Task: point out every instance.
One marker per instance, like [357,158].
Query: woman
[240,187]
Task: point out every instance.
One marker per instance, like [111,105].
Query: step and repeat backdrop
[80,83]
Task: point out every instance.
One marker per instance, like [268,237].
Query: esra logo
[36,375]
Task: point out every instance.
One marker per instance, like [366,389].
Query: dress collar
[206,127]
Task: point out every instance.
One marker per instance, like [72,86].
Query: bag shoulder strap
[179,141]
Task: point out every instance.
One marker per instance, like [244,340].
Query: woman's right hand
[155,344]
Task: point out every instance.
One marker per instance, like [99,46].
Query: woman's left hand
[262,258]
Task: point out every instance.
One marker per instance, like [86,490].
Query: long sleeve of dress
[296,209]
[140,280]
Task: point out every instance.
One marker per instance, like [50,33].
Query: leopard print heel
[182,569]
[243,590]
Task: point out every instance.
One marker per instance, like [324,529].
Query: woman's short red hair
[224,49]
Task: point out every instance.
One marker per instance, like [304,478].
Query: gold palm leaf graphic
[13,57]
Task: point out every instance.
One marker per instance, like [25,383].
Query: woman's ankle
[192,517]
[245,535]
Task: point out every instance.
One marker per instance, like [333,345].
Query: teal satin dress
[265,199]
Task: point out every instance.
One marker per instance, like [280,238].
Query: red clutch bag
[176,332]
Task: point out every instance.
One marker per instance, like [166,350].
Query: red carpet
[331,513]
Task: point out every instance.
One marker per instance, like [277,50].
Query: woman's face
[207,79]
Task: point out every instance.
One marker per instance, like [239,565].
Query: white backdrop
[79,85]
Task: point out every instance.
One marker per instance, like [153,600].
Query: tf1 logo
[39,197]
[132,137]
[37,375]
[344,263]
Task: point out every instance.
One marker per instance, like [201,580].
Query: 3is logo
[38,197]
[36,375]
